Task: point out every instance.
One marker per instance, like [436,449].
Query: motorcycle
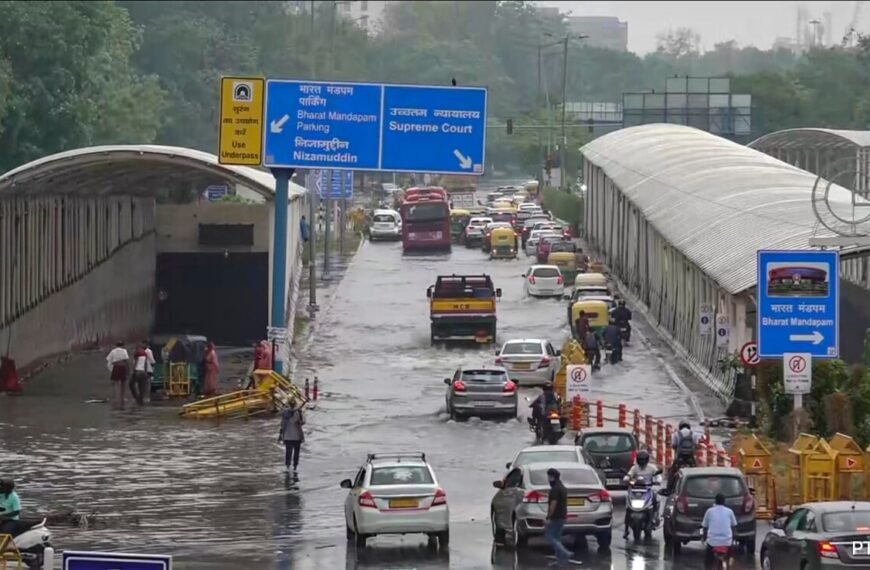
[32,539]
[550,430]
[641,505]
[721,557]
[625,330]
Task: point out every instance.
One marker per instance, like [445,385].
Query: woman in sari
[212,367]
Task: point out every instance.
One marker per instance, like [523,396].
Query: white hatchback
[396,493]
[544,281]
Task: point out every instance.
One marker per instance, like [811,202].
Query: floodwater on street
[214,494]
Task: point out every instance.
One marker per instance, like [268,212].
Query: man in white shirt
[143,368]
[717,528]
[118,362]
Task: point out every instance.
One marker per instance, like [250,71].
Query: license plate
[522,366]
[613,481]
[576,502]
[484,404]
[403,503]
[555,422]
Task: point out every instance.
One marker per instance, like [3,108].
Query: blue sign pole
[798,303]
[279,254]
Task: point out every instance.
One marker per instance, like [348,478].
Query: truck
[462,308]
[425,219]
[460,188]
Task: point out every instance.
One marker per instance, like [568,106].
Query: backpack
[686,444]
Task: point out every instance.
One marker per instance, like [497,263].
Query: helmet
[621,303]
[548,387]
[643,458]
[685,424]
[7,485]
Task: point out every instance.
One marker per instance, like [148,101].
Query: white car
[544,281]
[386,224]
[529,361]
[474,228]
[396,493]
[535,236]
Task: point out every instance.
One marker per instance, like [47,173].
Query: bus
[425,220]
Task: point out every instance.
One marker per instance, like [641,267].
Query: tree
[66,80]
[678,43]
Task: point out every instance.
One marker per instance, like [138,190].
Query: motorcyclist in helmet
[684,443]
[545,401]
[643,468]
[10,506]
[622,315]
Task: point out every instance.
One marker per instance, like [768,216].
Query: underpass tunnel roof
[714,200]
[130,170]
[811,138]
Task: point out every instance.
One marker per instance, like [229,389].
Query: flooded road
[214,495]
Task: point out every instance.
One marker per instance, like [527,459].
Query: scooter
[625,330]
[33,541]
[550,430]
[641,505]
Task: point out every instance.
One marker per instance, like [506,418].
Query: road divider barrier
[271,392]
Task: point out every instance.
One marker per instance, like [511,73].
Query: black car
[614,451]
[695,490]
[819,536]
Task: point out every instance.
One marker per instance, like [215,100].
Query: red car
[543,251]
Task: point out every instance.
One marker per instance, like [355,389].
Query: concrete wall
[178,225]
[115,300]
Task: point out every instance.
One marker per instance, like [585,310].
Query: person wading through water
[118,362]
[291,434]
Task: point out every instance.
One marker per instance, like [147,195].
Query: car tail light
[535,497]
[366,500]
[634,457]
[440,498]
[827,549]
[499,360]
[560,280]
[545,362]
[748,503]
[532,279]
[683,504]
[601,496]
[459,386]
[509,386]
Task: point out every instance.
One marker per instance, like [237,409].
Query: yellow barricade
[9,555]
[178,380]
[572,353]
[851,464]
[813,474]
[755,464]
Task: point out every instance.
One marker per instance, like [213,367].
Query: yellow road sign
[241,127]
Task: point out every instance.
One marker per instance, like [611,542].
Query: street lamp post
[564,144]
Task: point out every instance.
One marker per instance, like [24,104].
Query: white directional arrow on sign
[277,126]
[814,338]
[464,161]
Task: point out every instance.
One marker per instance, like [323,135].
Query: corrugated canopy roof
[130,169]
[813,138]
[718,202]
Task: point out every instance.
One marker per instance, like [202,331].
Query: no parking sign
[577,384]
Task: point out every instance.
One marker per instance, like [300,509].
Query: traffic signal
[510,126]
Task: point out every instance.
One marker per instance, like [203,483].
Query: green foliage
[565,206]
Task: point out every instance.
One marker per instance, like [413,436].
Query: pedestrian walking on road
[581,326]
[557,512]
[212,368]
[291,434]
[118,362]
[139,385]
[592,348]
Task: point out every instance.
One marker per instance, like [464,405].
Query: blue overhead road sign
[364,126]
[73,560]
[798,303]
[330,181]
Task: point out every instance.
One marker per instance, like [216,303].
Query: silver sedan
[519,508]
[482,391]
[529,361]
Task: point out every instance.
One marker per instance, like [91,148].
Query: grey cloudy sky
[749,23]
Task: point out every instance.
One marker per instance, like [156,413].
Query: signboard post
[705,320]
[797,377]
[331,182]
[77,560]
[723,331]
[380,127]
[798,303]
[240,138]
[749,354]
[578,377]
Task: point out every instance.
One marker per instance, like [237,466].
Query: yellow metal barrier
[178,380]
[270,393]
[850,465]
[9,553]
[813,475]
[755,461]
[572,353]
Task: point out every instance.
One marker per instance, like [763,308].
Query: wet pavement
[214,495]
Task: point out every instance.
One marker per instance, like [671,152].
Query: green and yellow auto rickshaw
[596,311]
[563,255]
[504,244]
[458,220]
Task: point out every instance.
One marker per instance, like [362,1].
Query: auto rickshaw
[178,359]
[596,311]
[563,256]
[504,244]
[458,220]
[589,280]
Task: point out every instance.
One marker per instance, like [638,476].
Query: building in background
[368,14]
[606,32]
